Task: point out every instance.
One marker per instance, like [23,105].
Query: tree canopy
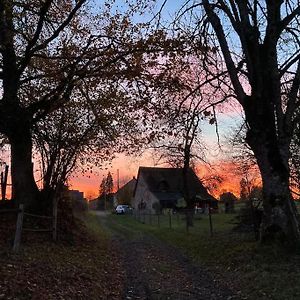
[77,80]
[67,74]
[257,50]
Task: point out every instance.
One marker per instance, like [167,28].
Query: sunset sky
[128,165]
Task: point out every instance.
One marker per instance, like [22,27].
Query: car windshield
[122,206]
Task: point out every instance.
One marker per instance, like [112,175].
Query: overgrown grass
[198,242]
[261,272]
[95,226]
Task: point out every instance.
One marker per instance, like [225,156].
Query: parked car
[123,209]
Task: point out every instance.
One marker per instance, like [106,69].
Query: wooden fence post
[170,220]
[19,226]
[144,218]
[2,188]
[5,182]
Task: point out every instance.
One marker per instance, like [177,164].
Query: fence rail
[8,210]
[38,216]
[20,220]
[172,220]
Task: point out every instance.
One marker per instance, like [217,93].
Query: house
[78,200]
[76,196]
[125,194]
[93,204]
[163,188]
[229,199]
[105,201]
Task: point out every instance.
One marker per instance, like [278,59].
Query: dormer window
[163,186]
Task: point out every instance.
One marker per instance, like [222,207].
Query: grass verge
[253,270]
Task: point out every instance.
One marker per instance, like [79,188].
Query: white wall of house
[115,200]
[142,194]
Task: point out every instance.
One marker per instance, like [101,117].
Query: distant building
[76,195]
[93,204]
[106,201]
[78,200]
[125,194]
[229,199]
[163,187]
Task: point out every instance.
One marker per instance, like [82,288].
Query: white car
[123,209]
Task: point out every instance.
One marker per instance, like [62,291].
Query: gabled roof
[130,185]
[170,180]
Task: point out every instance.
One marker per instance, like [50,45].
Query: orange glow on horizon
[230,181]
[128,168]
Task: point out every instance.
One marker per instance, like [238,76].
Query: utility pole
[118,179]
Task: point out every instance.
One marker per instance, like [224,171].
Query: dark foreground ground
[169,263]
[116,257]
[155,270]
[101,259]
[82,265]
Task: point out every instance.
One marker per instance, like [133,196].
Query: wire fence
[20,214]
[174,220]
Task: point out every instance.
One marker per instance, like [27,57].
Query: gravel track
[155,270]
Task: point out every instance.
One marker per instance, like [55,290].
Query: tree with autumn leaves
[105,191]
[65,70]
[58,52]
[183,106]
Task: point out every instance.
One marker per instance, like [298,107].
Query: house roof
[167,181]
[167,196]
[130,185]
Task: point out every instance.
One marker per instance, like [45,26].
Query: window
[163,186]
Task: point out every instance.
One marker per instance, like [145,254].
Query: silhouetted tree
[57,53]
[263,64]
[109,183]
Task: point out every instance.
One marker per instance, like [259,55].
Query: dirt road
[155,270]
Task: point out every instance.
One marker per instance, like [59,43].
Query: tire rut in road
[158,271]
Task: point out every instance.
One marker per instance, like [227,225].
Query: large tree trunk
[280,218]
[24,188]
[271,107]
